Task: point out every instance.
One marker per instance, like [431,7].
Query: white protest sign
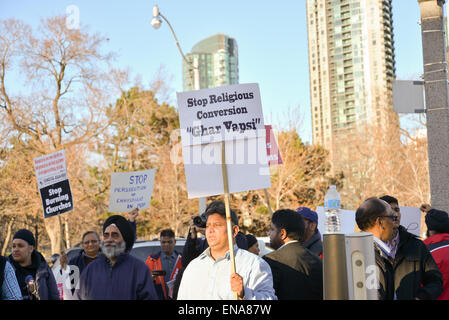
[220,114]
[131,190]
[53,183]
[347,221]
[230,114]
[411,219]
[246,163]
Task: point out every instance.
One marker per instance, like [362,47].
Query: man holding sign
[209,275]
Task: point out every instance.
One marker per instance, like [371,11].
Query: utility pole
[436,91]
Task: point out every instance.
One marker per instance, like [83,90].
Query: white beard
[114,251]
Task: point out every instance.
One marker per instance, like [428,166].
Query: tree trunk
[53,227]
[67,234]
[8,235]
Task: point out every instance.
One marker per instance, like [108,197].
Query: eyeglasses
[393,218]
[86,243]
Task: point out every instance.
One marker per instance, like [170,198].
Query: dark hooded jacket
[416,274]
[42,274]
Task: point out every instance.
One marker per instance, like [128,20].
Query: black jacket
[42,274]
[416,274]
[384,266]
[297,273]
[315,244]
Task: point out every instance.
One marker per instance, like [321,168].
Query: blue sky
[271,38]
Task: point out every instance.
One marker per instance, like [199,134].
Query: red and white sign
[273,153]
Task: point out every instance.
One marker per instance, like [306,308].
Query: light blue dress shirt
[207,279]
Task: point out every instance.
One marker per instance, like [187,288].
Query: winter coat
[128,279]
[297,273]
[384,267]
[416,274]
[79,261]
[42,274]
[438,246]
[315,244]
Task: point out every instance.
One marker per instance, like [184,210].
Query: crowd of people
[408,268]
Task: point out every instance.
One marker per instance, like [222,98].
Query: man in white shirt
[208,277]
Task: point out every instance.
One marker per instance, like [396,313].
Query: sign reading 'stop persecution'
[220,114]
[131,190]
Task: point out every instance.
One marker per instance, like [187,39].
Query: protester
[312,237]
[26,262]
[167,260]
[376,216]
[195,245]
[9,288]
[90,243]
[437,242]
[253,245]
[115,274]
[416,274]
[209,275]
[297,272]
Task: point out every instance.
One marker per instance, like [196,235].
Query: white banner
[50,169]
[410,220]
[246,163]
[220,114]
[131,190]
[347,220]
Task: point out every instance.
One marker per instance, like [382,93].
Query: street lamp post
[436,93]
[156,22]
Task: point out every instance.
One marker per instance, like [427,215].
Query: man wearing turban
[115,274]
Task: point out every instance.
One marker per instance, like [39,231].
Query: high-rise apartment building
[216,58]
[351,67]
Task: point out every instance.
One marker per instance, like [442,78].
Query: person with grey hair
[115,274]
[416,274]
[375,216]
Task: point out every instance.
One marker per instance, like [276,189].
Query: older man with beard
[115,274]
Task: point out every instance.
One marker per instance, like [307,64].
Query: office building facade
[216,59]
[351,68]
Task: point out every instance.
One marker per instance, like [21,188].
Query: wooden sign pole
[228,209]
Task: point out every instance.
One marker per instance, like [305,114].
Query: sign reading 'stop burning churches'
[53,183]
